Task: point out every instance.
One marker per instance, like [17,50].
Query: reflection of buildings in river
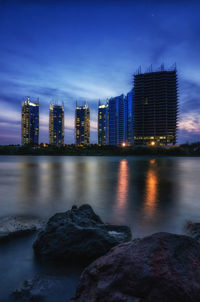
[30,182]
[122,185]
[151,189]
[53,177]
[84,179]
[160,198]
[81,185]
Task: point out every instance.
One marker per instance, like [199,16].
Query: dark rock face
[80,235]
[159,268]
[17,226]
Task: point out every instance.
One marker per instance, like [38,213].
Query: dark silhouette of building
[155,107]
[103,124]
[56,124]
[30,122]
[82,125]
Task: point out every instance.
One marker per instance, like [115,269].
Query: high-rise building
[82,125]
[130,111]
[155,107]
[103,124]
[30,122]
[56,124]
[118,120]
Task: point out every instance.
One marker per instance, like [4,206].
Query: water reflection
[81,180]
[151,189]
[122,185]
[54,179]
[148,194]
[30,182]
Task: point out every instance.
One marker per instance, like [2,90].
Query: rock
[14,226]
[79,235]
[193,229]
[159,268]
[42,288]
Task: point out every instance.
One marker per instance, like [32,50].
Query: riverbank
[162,266]
[95,150]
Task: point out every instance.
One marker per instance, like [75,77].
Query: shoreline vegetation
[95,150]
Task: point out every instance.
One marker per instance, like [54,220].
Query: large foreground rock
[15,226]
[80,235]
[159,268]
[193,229]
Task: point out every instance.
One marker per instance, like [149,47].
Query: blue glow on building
[118,120]
[130,111]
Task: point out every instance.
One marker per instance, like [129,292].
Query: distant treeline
[182,150]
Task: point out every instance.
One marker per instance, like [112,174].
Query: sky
[89,50]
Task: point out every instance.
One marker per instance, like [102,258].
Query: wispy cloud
[88,51]
[190,122]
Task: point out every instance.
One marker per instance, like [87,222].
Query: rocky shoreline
[18,226]
[162,267]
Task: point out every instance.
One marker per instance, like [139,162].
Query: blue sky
[89,50]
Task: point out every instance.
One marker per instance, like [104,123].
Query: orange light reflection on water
[151,189]
[122,185]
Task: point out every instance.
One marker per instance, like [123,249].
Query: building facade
[155,107]
[118,120]
[82,125]
[30,122]
[130,112]
[103,124]
[56,125]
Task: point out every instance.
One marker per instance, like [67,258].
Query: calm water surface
[149,194]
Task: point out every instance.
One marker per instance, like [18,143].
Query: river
[149,194]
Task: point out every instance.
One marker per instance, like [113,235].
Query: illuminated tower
[118,120]
[56,124]
[30,122]
[130,111]
[103,124]
[82,125]
[155,107]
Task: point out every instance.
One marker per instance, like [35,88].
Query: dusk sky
[89,50]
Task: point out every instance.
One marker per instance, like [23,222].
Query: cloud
[190,96]
[185,136]
[190,122]
[89,51]
[9,114]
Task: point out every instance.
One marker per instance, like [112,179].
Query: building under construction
[155,107]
